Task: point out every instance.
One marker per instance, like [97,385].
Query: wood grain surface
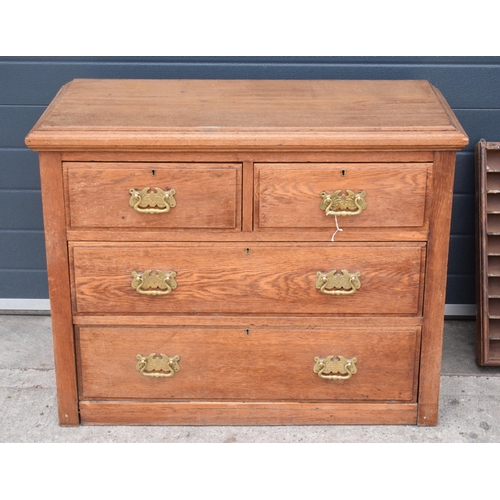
[256,114]
[235,413]
[348,234]
[256,279]
[236,364]
[59,287]
[242,155]
[337,322]
[435,288]
[206,195]
[288,195]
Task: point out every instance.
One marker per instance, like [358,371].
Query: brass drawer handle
[343,204]
[163,280]
[140,200]
[338,284]
[335,364]
[149,366]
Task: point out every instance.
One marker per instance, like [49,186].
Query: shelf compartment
[494,288]
[493,265]
[494,308]
[493,203]
[493,245]
[493,182]
[495,352]
[494,329]
[493,161]
[493,224]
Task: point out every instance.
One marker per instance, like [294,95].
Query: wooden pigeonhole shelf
[488,252]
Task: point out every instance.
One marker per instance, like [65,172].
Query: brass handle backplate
[157,365]
[334,365]
[343,204]
[338,284]
[141,200]
[163,280]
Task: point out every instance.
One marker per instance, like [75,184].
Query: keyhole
[247,332]
[247,251]
[342,172]
[153,172]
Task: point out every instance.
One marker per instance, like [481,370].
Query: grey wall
[27,85]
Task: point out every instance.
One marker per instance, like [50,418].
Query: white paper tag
[338,229]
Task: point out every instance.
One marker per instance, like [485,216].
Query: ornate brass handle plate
[158,365]
[333,283]
[343,204]
[141,200]
[164,280]
[334,365]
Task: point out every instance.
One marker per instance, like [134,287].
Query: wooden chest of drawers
[247,252]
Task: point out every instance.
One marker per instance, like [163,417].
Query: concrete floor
[469,402]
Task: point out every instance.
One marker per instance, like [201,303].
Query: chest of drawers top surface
[320,114]
[193,274]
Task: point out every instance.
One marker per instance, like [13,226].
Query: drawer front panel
[124,195]
[254,364]
[256,279]
[383,195]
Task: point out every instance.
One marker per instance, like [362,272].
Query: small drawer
[154,195]
[255,278]
[168,363]
[308,195]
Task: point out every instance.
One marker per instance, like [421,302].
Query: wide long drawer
[154,195]
[248,278]
[304,196]
[181,363]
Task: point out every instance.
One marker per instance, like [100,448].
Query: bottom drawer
[247,365]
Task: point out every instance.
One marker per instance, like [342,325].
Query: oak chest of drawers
[247,252]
